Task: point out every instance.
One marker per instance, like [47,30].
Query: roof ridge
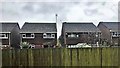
[40,22]
[9,23]
[77,22]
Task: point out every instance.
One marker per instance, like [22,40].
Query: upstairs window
[28,35]
[85,32]
[73,35]
[32,35]
[3,36]
[115,34]
[53,35]
[118,34]
[48,35]
[44,35]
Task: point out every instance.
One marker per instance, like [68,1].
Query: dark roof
[110,25]
[7,26]
[80,27]
[32,27]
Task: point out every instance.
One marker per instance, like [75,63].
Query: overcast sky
[68,10]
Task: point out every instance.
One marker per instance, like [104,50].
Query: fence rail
[61,57]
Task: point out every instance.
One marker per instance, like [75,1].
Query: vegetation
[24,44]
[58,43]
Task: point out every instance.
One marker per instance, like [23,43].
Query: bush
[25,44]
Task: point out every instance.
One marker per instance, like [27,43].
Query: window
[81,33]
[32,35]
[77,35]
[28,35]
[96,35]
[48,35]
[3,36]
[119,34]
[69,35]
[44,35]
[85,32]
[53,35]
[73,35]
[23,35]
[115,34]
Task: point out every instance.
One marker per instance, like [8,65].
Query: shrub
[25,44]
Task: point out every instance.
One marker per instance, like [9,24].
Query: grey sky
[67,10]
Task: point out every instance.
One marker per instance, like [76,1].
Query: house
[79,32]
[39,34]
[9,34]
[110,32]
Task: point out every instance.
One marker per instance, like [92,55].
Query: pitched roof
[32,27]
[110,25]
[80,27]
[7,26]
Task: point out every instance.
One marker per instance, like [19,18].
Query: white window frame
[53,35]
[29,37]
[69,35]
[23,36]
[115,34]
[73,35]
[5,36]
[46,36]
[77,35]
[118,34]
[33,35]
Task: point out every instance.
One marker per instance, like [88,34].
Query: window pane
[28,35]
[72,35]
[77,35]
[113,33]
[3,35]
[32,35]
[85,32]
[53,35]
[44,35]
[68,35]
[23,35]
[48,35]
